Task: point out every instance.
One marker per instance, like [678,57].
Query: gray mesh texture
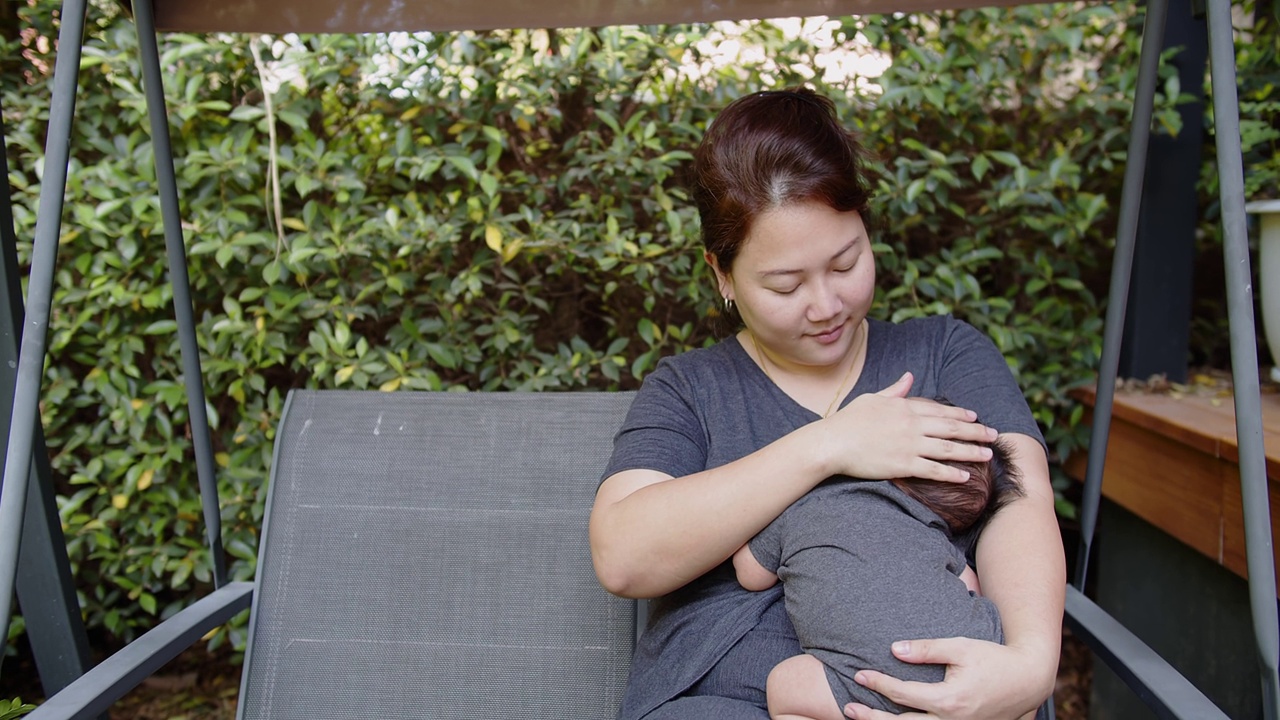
[425,556]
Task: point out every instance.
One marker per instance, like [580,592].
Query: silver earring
[728,304]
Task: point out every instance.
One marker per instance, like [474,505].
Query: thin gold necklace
[765,367]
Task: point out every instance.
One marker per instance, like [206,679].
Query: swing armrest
[95,691]
[1154,680]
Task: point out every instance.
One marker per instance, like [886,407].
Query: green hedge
[505,210]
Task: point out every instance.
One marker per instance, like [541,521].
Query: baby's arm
[751,574]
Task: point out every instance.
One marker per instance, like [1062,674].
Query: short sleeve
[766,546]
[974,375]
[662,430]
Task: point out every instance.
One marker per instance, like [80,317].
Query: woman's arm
[651,533]
[1022,566]
[1022,569]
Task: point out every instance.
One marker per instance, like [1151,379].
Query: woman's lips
[829,336]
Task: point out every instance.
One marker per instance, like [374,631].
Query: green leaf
[1005,158]
[224,255]
[247,113]
[980,166]
[15,708]
[442,356]
[648,332]
[271,272]
[161,327]
[181,573]
[914,189]
[293,119]
[607,118]
[464,165]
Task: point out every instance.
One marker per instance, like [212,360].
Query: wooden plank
[1172,459]
[1233,545]
[1202,420]
[1162,481]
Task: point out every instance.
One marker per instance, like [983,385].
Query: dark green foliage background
[506,211]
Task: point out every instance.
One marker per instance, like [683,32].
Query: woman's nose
[825,303]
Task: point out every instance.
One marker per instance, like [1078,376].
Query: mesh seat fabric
[425,556]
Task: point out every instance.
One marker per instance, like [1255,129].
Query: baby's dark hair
[967,507]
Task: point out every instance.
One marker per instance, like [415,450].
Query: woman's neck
[819,388]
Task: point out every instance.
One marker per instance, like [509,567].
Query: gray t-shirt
[706,408]
[851,551]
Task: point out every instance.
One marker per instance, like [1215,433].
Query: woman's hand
[886,435]
[984,681]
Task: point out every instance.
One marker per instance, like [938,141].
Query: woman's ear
[724,282]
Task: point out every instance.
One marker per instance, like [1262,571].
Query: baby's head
[966,507]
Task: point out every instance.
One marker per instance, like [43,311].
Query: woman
[720,441]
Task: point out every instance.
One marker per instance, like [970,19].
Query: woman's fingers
[967,692]
[885,435]
[899,388]
[941,460]
[924,406]
[937,651]
[903,692]
[952,429]
[908,693]
[937,471]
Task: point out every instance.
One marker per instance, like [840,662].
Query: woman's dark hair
[771,149]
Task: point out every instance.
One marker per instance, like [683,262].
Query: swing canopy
[421,550]
[343,16]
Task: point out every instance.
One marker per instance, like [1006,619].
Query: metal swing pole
[193,377]
[1244,353]
[46,593]
[25,413]
[1121,271]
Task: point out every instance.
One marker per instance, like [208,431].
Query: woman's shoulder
[701,361]
[692,374]
[940,337]
[936,328]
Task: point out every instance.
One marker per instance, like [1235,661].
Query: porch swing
[496,589]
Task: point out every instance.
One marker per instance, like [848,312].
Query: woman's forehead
[792,238]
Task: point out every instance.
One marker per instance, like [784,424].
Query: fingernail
[860,678]
[901,648]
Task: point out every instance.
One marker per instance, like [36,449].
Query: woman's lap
[735,686]
[706,707]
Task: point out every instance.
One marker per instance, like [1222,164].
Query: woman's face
[803,281]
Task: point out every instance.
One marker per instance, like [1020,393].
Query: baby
[868,563]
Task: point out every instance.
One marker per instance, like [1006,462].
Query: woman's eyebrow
[841,251]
